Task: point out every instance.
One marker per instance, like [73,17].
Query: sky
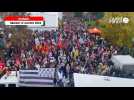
[51,18]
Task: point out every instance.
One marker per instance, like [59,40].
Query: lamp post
[133,41]
[132,49]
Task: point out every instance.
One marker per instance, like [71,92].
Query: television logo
[24,20]
[119,20]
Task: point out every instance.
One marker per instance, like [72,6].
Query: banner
[44,77]
[24,20]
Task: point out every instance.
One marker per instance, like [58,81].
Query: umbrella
[95,31]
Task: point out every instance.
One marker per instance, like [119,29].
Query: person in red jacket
[2,64]
[60,44]
[2,67]
[17,63]
[30,62]
[45,48]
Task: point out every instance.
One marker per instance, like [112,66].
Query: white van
[8,85]
[124,63]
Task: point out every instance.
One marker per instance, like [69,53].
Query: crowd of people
[70,49]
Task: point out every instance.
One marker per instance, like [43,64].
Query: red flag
[78,44]
[17,62]
[44,48]
[60,45]
[2,65]
[30,61]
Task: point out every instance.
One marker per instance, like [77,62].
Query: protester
[71,50]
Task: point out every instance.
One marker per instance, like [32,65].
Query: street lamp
[133,41]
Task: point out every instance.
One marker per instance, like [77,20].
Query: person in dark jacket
[63,70]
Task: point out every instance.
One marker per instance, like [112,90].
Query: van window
[2,85]
[11,85]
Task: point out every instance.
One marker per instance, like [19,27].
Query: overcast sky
[59,14]
[51,18]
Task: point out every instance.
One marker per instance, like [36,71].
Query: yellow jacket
[76,53]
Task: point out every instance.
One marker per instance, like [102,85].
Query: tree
[20,35]
[78,14]
[20,39]
[99,15]
[120,34]
[1,41]
[93,18]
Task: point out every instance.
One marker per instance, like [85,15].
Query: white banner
[24,23]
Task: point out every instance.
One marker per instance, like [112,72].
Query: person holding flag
[2,65]
[17,63]
[59,44]
[39,48]
[8,72]
[55,36]
[2,68]
[45,48]
[52,45]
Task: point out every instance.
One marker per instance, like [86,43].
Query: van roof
[124,59]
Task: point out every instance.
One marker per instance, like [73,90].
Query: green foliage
[94,21]
[20,38]
[99,15]
[118,34]
[78,14]
[90,23]
[1,44]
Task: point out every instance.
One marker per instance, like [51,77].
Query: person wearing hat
[99,68]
